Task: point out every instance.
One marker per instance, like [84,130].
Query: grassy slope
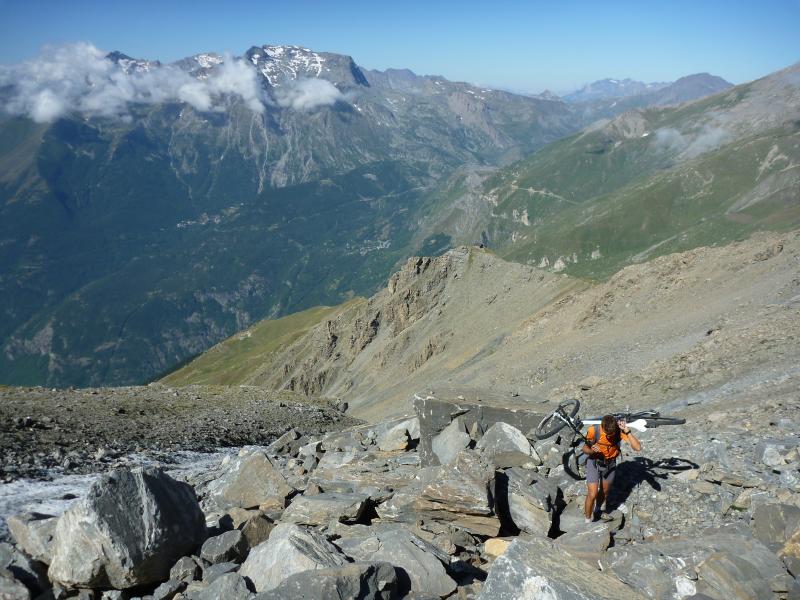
[625,189]
[232,361]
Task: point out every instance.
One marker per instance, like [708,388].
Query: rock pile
[454,502]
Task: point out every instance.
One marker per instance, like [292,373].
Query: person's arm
[629,437]
[587,449]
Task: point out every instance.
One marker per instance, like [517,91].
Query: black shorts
[597,469]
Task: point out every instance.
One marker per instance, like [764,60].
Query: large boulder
[131,527]
[290,549]
[537,569]
[34,532]
[354,581]
[526,500]
[325,507]
[249,481]
[452,440]
[459,494]
[478,409]
[420,563]
[507,446]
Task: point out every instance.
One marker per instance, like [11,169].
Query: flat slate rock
[421,563]
[320,509]
[290,549]
[248,481]
[459,494]
[534,568]
[33,532]
[353,581]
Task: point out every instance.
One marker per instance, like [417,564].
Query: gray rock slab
[214,572]
[230,546]
[732,577]
[257,529]
[290,549]
[773,524]
[169,589]
[452,440]
[504,440]
[247,482]
[394,440]
[525,500]
[666,568]
[588,543]
[33,532]
[11,588]
[129,529]
[230,586]
[536,568]
[186,569]
[322,508]
[421,563]
[284,444]
[460,494]
[354,581]
[479,410]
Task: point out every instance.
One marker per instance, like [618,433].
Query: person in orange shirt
[602,449]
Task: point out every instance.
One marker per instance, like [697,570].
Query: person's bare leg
[606,491]
[591,496]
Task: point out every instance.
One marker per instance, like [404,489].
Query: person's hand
[595,448]
[623,426]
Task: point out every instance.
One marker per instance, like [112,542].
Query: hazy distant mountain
[606,89]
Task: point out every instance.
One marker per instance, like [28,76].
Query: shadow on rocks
[632,473]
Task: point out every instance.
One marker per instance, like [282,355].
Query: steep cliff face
[434,316]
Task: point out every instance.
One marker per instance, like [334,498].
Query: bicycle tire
[659,421]
[551,424]
[572,465]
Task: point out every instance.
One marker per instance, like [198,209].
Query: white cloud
[306,94]
[77,78]
[710,137]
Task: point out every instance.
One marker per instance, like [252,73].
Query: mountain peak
[281,63]
[131,65]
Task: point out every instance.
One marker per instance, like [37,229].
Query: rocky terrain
[47,432]
[453,501]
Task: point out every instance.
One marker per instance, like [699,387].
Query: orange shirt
[609,447]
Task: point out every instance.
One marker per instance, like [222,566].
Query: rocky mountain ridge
[682,324]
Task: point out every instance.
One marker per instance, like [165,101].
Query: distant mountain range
[148,211]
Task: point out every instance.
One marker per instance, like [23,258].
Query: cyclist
[601,463]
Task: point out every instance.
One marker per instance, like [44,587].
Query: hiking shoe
[606,517]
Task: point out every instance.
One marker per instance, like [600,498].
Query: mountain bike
[566,415]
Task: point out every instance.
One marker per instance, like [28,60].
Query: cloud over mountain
[307,94]
[79,78]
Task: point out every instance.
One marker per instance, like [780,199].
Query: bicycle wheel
[553,423]
[573,466]
[659,421]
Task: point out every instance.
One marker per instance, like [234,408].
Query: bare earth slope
[663,331]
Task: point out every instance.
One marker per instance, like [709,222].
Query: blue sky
[526,46]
